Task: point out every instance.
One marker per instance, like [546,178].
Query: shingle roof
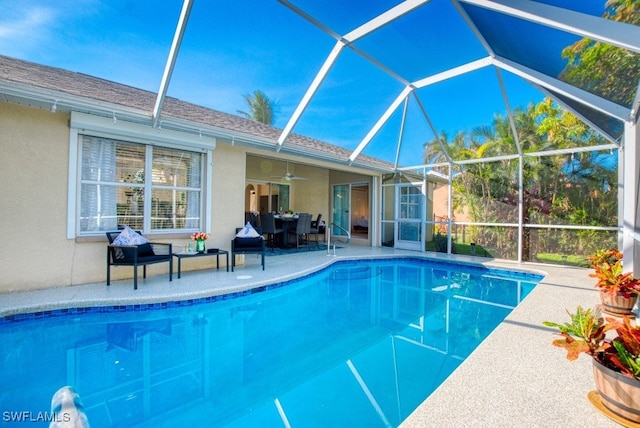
[92,88]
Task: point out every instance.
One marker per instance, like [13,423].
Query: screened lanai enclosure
[520,115]
[505,128]
[509,126]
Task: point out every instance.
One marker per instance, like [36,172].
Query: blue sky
[234,48]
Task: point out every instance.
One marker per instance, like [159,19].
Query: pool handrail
[334,242]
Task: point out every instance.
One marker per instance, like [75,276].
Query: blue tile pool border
[445,265]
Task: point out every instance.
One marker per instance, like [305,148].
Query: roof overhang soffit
[45,98]
[121,115]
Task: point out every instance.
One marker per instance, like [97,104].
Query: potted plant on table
[616,359]
[199,237]
[618,290]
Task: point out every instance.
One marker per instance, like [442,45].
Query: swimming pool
[356,344]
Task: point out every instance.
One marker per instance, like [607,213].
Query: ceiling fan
[288,176]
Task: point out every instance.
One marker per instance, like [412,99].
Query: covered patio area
[344,196]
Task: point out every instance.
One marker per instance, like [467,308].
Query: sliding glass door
[341,207]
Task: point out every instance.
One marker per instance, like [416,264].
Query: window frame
[270,185]
[82,124]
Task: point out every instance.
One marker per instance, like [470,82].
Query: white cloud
[24,27]
[25,22]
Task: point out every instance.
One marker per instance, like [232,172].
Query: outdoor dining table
[287,223]
[286,218]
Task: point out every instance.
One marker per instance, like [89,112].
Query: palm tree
[262,108]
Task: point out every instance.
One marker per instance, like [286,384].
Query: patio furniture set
[129,248]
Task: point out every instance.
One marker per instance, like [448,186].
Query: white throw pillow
[129,236]
[247,232]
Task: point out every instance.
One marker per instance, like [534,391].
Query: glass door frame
[419,220]
[346,215]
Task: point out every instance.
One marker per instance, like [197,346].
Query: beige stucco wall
[34,172]
[35,252]
[310,195]
[228,194]
[33,176]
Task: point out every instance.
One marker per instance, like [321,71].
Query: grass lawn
[562,259]
[464,249]
[551,258]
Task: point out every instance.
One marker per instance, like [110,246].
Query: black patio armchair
[137,255]
[247,246]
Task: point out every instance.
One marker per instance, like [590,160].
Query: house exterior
[78,152]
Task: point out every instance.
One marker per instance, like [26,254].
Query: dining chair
[268,222]
[254,220]
[316,228]
[302,231]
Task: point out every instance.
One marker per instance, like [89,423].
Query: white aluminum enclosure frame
[614,33]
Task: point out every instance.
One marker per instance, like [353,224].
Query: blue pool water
[357,344]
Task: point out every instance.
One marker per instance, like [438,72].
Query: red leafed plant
[605,256]
[609,273]
[587,333]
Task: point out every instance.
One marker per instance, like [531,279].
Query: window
[143,186]
[268,197]
[279,197]
[410,202]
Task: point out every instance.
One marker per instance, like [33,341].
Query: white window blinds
[145,187]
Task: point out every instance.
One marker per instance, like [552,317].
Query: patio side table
[181,256]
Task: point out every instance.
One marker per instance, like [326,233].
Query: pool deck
[514,378]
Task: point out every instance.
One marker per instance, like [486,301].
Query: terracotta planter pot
[618,393]
[617,304]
